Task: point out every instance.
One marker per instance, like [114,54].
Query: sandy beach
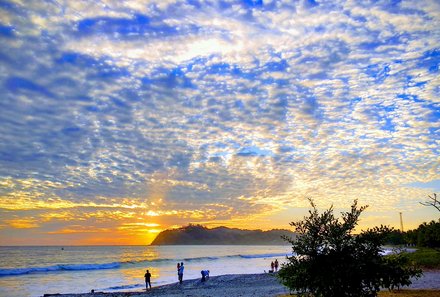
[243,285]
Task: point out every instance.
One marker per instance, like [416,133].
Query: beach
[119,271]
[243,285]
[35,271]
[265,284]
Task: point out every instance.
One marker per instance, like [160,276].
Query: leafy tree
[428,234]
[395,237]
[397,270]
[330,261]
[411,237]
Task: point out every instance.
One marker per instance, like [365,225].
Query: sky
[119,119]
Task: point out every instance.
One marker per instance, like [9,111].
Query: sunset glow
[120,119]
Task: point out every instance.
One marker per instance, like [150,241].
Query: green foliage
[329,260]
[426,235]
[401,293]
[198,234]
[396,269]
[426,257]
[395,237]
[429,234]
[410,237]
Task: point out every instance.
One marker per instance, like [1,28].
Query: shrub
[330,261]
[428,258]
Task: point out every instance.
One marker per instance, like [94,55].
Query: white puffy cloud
[220,113]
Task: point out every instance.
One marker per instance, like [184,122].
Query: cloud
[196,112]
[22,223]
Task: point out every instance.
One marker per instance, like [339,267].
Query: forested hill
[199,235]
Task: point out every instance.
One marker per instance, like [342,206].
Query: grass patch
[426,258]
[411,293]
[401,293]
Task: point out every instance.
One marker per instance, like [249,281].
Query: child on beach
[205,275]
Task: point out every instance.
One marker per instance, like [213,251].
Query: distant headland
[200,235]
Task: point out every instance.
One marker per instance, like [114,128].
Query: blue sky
[130,117]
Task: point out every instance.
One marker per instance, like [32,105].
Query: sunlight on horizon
[121,119]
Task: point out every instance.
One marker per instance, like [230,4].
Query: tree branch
[432,202]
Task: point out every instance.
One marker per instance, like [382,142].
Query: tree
[432,201]
[428,234]
[395,237]
[330,261]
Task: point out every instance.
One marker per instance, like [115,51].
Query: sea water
[35,271]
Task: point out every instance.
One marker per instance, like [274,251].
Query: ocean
[34,271]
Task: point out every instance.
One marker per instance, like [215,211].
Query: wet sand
[238,285]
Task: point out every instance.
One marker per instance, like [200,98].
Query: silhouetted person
[180,273]
[205,275]
[276,264]
[272,266]
[147,280]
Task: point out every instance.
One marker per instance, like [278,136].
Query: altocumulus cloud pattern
[213,110]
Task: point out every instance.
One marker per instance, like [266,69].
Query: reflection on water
[34,271]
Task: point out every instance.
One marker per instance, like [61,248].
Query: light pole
[401,222]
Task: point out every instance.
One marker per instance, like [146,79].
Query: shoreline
[244,285]
[263,284]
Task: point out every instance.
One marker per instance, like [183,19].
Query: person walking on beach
[147,280]
[272,266]
[180,272]
[276,265]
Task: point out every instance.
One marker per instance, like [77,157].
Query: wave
[201,259]
[4,272]
[59,267]
[257,256]
[125,287]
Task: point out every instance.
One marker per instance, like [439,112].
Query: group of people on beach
[274,266]
[205,273]
[180,269]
